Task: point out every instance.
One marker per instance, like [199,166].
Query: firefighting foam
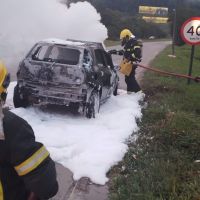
[89,148]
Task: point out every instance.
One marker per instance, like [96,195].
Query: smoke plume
[24,22]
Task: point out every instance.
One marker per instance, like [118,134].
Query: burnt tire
[17,100]
[93,105]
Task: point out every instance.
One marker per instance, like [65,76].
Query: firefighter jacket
[133,50]
[25,165]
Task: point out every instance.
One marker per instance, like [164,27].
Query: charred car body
[71,73]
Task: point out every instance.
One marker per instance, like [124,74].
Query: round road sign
[190,31]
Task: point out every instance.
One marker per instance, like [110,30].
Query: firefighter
[132,53]
[26,170]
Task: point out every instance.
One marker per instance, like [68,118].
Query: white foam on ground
[88,147]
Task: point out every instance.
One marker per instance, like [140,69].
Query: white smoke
[24,22]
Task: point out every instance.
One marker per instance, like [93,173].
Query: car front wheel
[93,105]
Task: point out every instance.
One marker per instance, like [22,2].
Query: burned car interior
[68,73]
[56,53]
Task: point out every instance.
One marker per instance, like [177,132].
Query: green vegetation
[164,164]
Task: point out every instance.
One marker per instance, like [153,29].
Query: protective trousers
[132,85]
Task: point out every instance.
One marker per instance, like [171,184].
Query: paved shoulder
[65,181]
[77,190]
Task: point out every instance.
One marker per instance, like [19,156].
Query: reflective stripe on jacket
[1,191]
[32,162]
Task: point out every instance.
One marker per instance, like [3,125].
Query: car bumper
[57,96]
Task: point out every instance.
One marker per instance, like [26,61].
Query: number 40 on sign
[190,31]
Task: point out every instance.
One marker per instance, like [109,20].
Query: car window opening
[100,57]
[57,54]
[87,60]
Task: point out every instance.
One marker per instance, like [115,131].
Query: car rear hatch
[54,71]
[54,65]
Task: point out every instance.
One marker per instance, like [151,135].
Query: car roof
[87,43]
[72,42]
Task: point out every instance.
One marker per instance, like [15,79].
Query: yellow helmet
[125,33]
[4,78]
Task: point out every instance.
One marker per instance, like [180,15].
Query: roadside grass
[163,164]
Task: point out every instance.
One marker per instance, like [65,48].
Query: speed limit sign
[190,31]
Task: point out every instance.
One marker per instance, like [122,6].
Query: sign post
[190,33]
[174,33]
[191,64]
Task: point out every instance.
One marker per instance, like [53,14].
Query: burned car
[72,73]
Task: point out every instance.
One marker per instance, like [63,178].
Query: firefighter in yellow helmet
[125,35]
[4,81]
[26,169]
[132,53]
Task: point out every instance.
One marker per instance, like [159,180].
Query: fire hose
[196,79]
[126,64]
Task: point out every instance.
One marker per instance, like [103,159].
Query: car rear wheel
[93,105]
[18,100]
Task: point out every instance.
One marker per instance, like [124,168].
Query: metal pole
[174,32]
[191,63]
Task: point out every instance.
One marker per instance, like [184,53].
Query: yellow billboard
[157,20]
[153,11]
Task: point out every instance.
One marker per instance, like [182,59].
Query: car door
[113,74]
[104,71]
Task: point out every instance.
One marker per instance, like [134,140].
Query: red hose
[196,79]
